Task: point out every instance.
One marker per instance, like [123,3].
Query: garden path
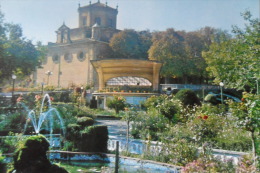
[115,127]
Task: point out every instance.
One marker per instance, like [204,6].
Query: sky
[40,19]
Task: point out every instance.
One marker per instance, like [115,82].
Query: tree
[248,113]
[131,44]
[195,43]
[168,47]
[236,61]
[17,54]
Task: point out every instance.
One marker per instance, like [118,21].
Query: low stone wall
[110,158]
[136,146]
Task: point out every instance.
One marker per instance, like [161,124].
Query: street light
[48,73]
[42,87]
[82,96]
[221,84]
[13,77]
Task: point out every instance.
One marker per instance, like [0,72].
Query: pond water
[87,167]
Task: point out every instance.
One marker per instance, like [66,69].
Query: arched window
[129,80]
[56,59]
[81,56]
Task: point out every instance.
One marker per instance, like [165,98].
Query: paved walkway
[115,127]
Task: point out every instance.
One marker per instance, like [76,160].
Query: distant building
[68,60]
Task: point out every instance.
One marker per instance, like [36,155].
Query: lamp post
[221,84]
[13,77]
[82,96]
[48,73]
[42,87]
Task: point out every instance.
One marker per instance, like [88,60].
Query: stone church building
[80,56]
[68,60]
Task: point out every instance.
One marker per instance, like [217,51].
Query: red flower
[205,117]
[51,98]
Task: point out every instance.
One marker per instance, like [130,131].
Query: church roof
[63,27]
[98,4]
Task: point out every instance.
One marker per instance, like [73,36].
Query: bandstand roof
[111,68]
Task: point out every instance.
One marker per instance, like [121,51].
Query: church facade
[68,60]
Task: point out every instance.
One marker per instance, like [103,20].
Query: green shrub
[65,97]
[188,97]
[165,105]
[85,121]
[2,163]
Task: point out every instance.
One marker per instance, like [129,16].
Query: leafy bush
[118,103]
[2,163]
[246,164]
[148,126]
[11,142]
[205,164]
[188,97]
[13,122]
[165,105]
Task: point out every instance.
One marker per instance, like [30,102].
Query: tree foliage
[236,61]
[180,51]
[131,44]
[17,54]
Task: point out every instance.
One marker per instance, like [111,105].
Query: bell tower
[97,13]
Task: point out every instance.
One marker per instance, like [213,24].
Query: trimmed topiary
[188,97]
[85,121]
[211,98]
[32,157]
[94,139]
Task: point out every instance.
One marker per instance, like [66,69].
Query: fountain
[45,118]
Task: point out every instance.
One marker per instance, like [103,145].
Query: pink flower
[51,98]
[19,99]
[37,97]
